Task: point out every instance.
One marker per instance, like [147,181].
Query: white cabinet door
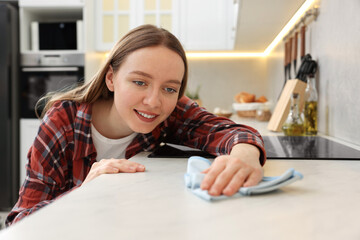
[114,18]
[162,13]
[208,24]
[199,24]
[28,131]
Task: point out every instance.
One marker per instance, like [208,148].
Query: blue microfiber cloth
[194,177]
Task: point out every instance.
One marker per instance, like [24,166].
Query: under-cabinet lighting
[297,16]
[223,54]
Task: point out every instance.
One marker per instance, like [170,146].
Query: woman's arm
[195,127]
[38,189]
[240,148]
[48,168]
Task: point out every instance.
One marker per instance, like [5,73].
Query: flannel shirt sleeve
[197,128]
[46,169]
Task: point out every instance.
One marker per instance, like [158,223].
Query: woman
[132,104]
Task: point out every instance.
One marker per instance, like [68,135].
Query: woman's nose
[152,98]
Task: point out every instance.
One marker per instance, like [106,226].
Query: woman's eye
[139,83]
[170,90]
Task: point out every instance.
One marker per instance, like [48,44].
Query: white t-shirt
[107,148]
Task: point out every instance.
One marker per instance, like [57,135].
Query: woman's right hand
[110,166]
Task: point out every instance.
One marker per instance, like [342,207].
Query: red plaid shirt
[63,151]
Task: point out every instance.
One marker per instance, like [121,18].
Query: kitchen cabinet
[28,131]
[114,18]
[208,24]
[199,24]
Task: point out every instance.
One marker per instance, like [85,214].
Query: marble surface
[156,205]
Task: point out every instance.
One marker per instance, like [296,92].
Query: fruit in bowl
[245,97]
[246,104]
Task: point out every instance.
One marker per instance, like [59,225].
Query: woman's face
[146,88]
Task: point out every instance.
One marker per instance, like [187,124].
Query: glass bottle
[310,109]
[294,124]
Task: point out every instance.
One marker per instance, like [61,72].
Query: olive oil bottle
[294,124]
[310,109]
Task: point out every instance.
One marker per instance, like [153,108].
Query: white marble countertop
[156,205]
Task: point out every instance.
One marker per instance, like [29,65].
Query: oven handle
[50,69]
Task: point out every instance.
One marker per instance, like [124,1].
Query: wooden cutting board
[282,107]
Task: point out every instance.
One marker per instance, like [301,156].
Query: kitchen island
[157,205]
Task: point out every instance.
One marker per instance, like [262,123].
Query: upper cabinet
[208,24]
[114,18]
[199,24]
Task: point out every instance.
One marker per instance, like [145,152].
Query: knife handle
[295,46]
[286,54]
[290,50]
[302,35]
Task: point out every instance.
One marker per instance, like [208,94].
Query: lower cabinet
[28,131]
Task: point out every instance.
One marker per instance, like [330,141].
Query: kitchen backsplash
[333,41]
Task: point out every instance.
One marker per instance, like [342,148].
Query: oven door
[38,81]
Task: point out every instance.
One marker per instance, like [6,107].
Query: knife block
[282,107]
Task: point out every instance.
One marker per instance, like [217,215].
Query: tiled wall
[333,40]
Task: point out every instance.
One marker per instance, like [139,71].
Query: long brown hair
[140,37]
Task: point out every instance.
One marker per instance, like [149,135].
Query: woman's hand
[230,172]
[109,166]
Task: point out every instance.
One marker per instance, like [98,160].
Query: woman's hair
[140,37]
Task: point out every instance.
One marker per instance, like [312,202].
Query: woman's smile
[145,116]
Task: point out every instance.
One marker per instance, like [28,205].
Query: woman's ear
[109,79]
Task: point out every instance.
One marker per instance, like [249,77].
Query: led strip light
[297,16]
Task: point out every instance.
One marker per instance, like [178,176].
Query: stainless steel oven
[43,73]
[39,74]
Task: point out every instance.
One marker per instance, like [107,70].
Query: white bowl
[251,106]
[246,106]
